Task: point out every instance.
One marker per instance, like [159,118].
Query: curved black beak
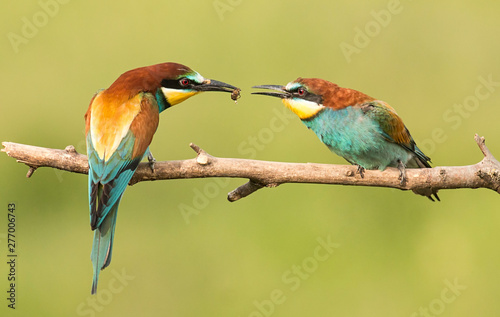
[214,85]
[281,94]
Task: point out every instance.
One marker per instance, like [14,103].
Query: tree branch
[485,174]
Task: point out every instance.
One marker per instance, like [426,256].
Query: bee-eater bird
[364,131]
[119,125]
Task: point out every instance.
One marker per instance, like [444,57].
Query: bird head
[180,82]
[306,97]
[171,83]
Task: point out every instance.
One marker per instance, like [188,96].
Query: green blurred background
[397,253]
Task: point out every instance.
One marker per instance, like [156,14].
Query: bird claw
[152,161]
[402,172]
[361,171]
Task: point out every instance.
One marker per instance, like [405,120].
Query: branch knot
[485,174]
[70,149]
[203,158]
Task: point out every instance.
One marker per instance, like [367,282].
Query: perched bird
[364,131]
[119,125]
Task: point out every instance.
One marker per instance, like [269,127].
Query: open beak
[281,94]
[214,85]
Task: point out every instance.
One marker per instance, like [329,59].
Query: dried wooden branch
[485,174]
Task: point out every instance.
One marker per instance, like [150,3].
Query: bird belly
[357,138]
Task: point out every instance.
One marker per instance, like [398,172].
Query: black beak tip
[222,84]
[281,91]
[215,85]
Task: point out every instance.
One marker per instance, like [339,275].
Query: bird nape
[364,131]
[119,125]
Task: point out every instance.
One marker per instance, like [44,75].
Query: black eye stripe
[314,98]
[307,95]
[171,83]
[175,83]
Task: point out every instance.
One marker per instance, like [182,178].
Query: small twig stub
[485,174]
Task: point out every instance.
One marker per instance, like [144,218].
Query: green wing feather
[393,129]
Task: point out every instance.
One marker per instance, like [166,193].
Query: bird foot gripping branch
[363,130]
[119,127]
[121,120]
[485,174]
[372,137]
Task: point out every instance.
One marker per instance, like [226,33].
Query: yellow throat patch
[175,96]
[303,108]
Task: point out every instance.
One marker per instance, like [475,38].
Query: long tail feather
[103,245]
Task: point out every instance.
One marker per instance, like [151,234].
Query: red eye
[301,91]
[184,82]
